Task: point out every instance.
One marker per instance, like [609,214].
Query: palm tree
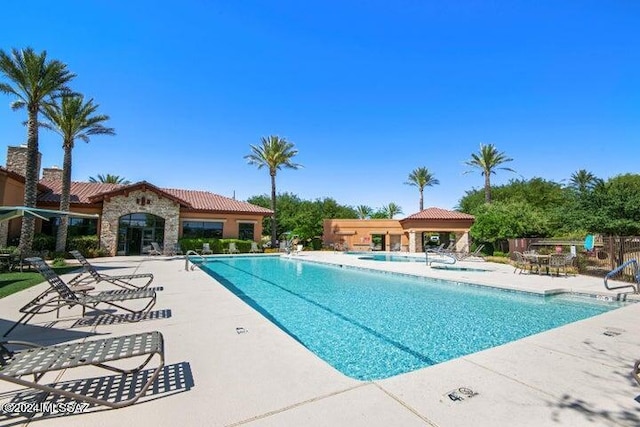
[488,161]
[109,179]
[34,81]
[364,211]
[583,181]
[273,153]
[421,177]
[391,210]
[71,119]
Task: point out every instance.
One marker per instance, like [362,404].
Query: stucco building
[409,234]
[134,215]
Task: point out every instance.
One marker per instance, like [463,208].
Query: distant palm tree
[391,210]
[273,153]
[109,179]
[421,177]
[364,211]
[488,161]
[72,118]
[34,82]
[583,181]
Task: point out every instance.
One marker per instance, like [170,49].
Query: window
[195,229]
[75,227]
[245,231]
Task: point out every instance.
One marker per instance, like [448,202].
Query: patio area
[226,365]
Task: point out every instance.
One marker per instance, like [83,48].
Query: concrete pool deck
[228,365]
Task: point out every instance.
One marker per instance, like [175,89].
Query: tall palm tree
[34,81]
[364,211]
[72,119]
[109,179]
[273,153]
[488,160]
[421,177]
[391,210]
[583,181]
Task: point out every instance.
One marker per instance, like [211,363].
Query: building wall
[230,222]
[356,233]
[11,194]
[118,206]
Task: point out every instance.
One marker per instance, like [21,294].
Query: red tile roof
[85,192]
[437,213]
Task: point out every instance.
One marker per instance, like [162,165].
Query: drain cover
[241,330]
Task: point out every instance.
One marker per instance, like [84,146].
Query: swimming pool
[390,257]
[370,325]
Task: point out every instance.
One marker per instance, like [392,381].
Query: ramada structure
[409,234]
[130,216]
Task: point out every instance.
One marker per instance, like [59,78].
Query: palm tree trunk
[274,233]
[487,188]
[421,200]
[61,239]
[30,179]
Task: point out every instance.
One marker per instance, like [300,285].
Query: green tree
[364,211]
[488,160]
[499,221]
[34,81]
[421,178]
[72,119]
[391,210]
[273,153]
[583,181]
[109,179]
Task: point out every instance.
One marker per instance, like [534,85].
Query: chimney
[52,174]
[17,160]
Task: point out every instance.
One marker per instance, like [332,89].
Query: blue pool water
[372,325]
[390,257]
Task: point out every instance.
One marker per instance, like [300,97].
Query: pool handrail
[636,275]
[451,258]
[187,259]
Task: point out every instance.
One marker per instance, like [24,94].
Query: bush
[59,262]
[83,244]
[243,246]
[195,244]
[44,242]
[499,254]
[95,253]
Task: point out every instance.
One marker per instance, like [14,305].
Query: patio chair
[232,248]
[558,261]
[155,249]
[522,263]
[254,248]
[60,295]
[206,249]
[474,254]
[124,281]
[395,247]
[38,360]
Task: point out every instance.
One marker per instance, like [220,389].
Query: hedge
[217,246]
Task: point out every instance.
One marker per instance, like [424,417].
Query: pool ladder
[193,264]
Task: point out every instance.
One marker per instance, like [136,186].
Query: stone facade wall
[118,206]
[17,160]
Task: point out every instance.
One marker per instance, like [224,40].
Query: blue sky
[366,90]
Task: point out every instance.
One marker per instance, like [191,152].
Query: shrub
[44,242]
[499,254]
[84,244]
[95,253]
[242,245]
[59,262]
[195,244]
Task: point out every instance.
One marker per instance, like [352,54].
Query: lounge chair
[206,249]
[232,248]
[476,253]
[155,249]
[62,296]
[38,361]
[254,248]
[123,281]
[395,247]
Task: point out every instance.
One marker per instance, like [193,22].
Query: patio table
[539,261]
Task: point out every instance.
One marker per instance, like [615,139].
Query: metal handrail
[186,259]
[617,270]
